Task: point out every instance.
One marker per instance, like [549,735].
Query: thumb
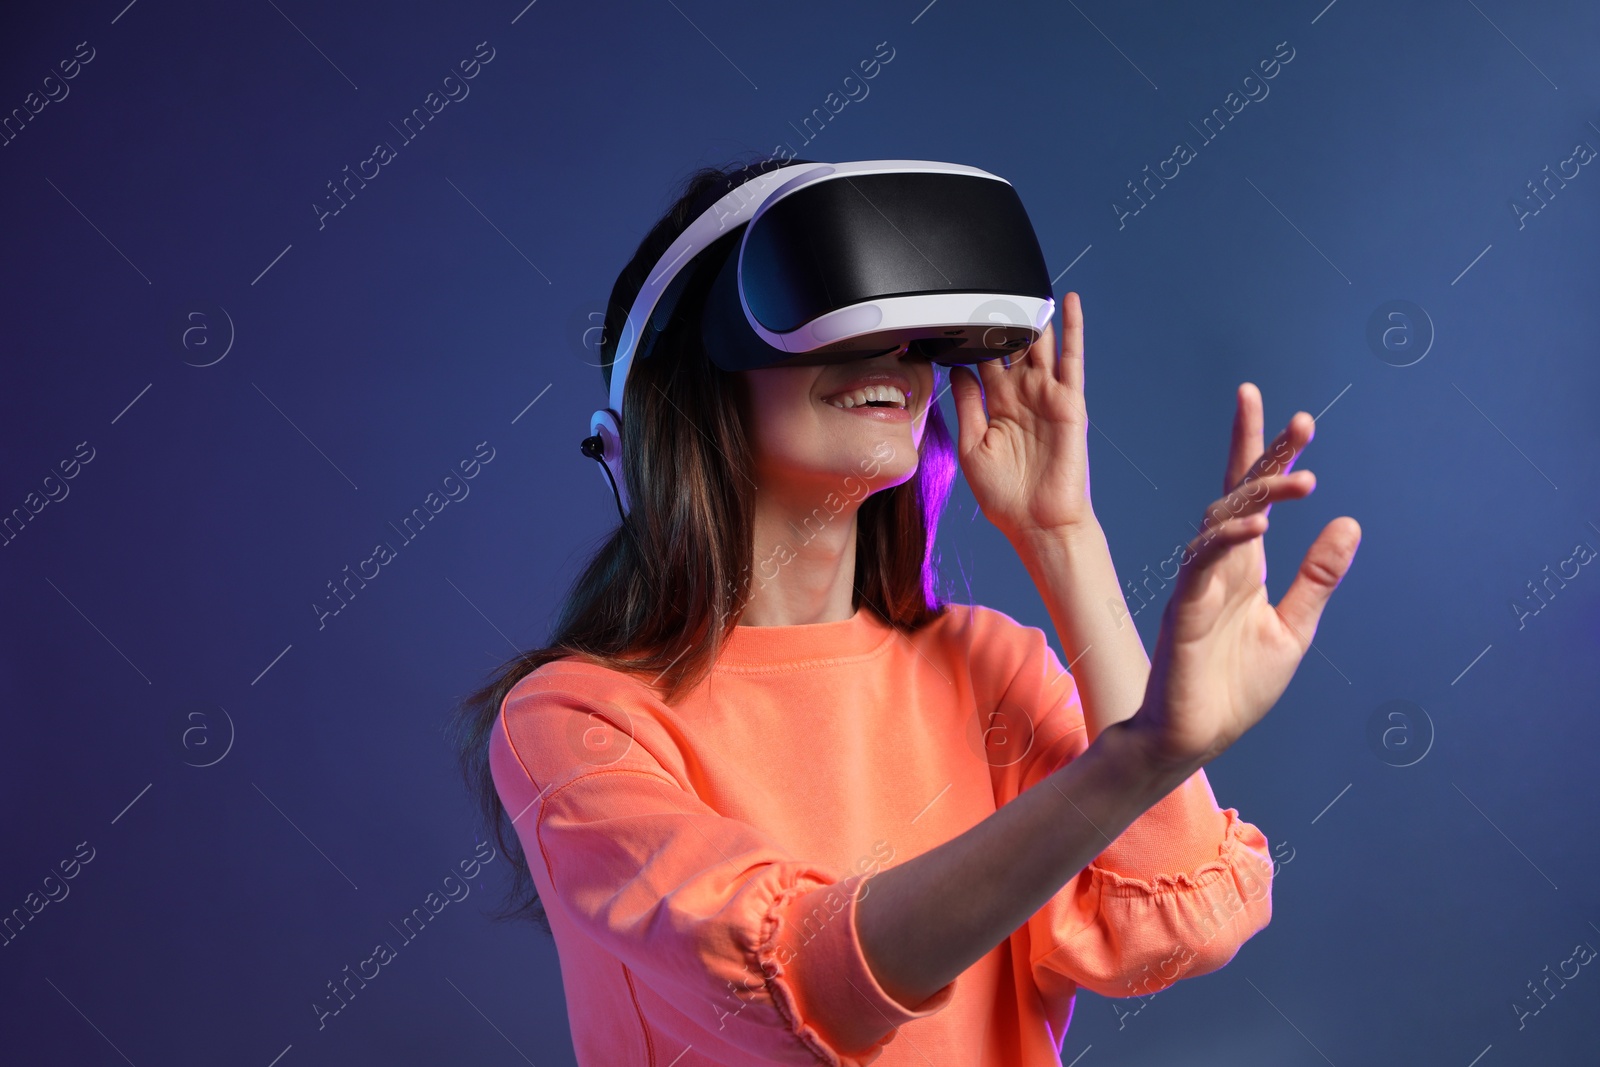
[1326,563]
[967,392]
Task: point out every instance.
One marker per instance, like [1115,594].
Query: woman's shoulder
[577,677]
[978,622]
[992,645]
[573,715]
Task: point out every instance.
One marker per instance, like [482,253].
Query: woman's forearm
[923,922]
[1078,583]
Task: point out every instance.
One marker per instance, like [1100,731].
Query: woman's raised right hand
[1225,653]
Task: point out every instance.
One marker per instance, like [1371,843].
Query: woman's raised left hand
[1027,457]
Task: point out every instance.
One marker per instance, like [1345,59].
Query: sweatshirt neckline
[766,647]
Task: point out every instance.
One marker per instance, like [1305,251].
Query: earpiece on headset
[595,446]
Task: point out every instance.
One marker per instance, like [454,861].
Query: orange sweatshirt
[697,862]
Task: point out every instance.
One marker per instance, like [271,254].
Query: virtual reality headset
[828,262]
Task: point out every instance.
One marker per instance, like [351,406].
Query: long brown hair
[661,594]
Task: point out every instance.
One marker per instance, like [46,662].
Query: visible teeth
[857,397]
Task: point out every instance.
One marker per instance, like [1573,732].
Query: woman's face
[849,428]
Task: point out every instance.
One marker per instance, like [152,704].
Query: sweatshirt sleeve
[756,948]
[1174,896]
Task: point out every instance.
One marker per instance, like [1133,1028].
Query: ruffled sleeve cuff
[1123,935]
[819,978]
[1240,856]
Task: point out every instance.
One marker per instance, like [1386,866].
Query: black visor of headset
[824,263]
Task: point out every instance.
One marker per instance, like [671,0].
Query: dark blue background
[165,604]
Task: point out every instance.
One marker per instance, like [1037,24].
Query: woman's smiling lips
[884,384]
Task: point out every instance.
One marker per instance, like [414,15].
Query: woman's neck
[804,565]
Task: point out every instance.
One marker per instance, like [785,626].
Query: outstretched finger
[1069,369]
[1246,447]
[1326,563]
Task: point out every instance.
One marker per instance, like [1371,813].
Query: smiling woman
[685,776]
